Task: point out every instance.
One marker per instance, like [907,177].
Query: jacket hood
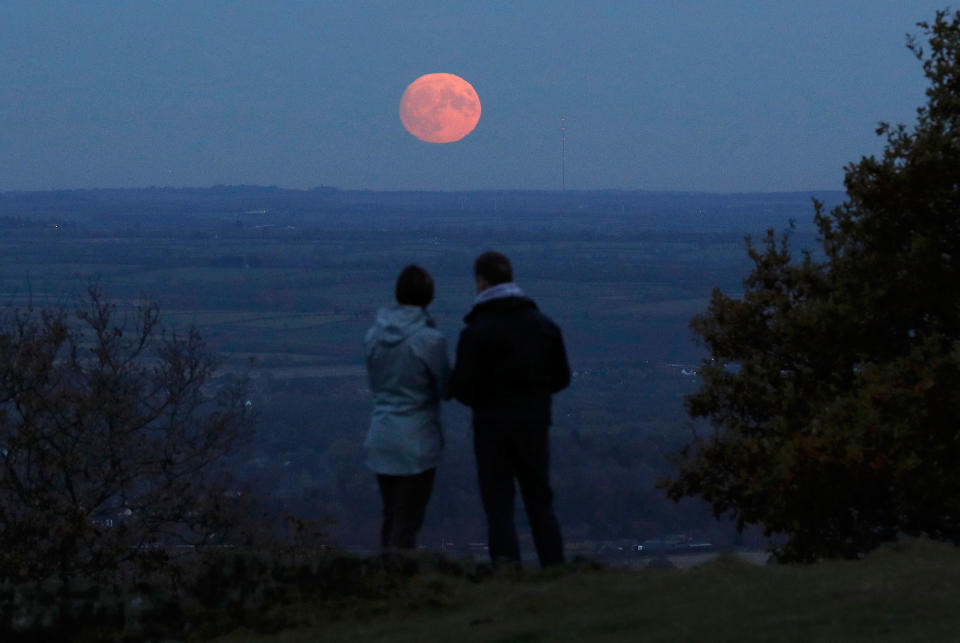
[506,289]
[395,323]
[501,304]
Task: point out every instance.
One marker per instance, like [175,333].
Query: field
[903,593]
[284,284]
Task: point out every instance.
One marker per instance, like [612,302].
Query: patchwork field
[293,281]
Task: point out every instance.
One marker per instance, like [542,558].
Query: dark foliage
[110,439]
[834,387]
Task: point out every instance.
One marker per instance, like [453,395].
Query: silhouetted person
[510,360]
[409,369]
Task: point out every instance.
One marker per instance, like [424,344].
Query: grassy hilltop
[903,593]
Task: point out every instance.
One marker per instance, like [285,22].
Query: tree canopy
[833,385]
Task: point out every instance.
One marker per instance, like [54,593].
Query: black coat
[510,360]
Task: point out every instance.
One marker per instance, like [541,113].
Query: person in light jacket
[409,370]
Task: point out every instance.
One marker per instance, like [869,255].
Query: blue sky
[722,95]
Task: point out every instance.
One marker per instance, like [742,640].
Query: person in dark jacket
[408,369]
[510,361]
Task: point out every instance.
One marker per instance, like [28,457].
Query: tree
[833,386]
[110,438]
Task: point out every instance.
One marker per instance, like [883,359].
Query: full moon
[440,108]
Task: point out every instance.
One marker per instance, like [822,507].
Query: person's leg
[495,476]
[532,463]
[413,493]
[387,486]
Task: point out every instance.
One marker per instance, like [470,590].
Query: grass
[902,593]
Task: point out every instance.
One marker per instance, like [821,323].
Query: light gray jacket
[409,370]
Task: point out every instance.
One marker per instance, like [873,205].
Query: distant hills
[660,209]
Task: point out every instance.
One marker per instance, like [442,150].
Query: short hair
[414,287]
[494,267]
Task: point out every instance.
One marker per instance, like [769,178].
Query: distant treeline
[664,210]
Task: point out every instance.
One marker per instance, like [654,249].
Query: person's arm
[368,359]
[560,368]
[438,362]
[463,385]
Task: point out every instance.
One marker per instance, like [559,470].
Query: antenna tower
[563,153]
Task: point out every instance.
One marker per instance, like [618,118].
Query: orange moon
[440,108]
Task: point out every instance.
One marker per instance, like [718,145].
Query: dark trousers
[521,453]
[404,505]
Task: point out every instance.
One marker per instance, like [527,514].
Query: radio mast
[563,153]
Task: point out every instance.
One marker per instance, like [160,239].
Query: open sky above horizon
[715,95]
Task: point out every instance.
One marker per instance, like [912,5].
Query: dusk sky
[720,96]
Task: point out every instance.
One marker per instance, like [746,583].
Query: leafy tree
[833,386]
[110,435]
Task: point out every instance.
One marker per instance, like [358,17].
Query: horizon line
[330,189]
